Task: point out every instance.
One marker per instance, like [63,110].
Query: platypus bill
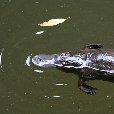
[92,62]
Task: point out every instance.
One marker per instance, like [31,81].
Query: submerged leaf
[53,22]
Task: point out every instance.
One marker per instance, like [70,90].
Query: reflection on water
[40,71]
[52,96]
[1,57]
[40,32]
[60,84]
[28,60]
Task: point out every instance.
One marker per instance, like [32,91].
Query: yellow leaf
[53,22]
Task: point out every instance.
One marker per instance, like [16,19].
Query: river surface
[26,89]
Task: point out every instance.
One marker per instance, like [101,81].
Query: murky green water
[23,91]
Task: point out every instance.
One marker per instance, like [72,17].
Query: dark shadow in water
[87,75]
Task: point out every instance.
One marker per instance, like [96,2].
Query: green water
[23,91]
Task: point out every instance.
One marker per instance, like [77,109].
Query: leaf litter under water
[53,22]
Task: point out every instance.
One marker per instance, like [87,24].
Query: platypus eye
[40,59]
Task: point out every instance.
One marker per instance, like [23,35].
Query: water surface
[24,91]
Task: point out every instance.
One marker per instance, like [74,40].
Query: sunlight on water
[55,96]
[28,60]
[60,84]
[1,57]
[40,32]
[39,71]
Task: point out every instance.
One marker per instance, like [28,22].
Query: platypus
[90,63]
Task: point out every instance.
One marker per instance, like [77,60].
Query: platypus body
[92,62]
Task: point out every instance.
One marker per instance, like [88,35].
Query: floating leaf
[53,22]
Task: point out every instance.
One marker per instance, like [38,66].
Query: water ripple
[27,62]
[1,57]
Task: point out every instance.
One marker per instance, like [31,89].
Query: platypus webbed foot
[86,88]
[93,46]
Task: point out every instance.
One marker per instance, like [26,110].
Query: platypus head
[60,60]
[43,60]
